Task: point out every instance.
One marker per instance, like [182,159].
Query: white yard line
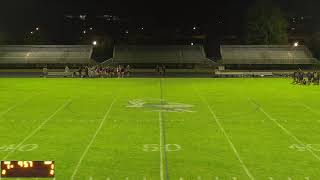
[217,120]
[287,131]
[92,140]
[9,109]
[309,108]
[161,146]
[38,128]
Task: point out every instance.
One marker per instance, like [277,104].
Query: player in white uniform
[66,71]
[45,72]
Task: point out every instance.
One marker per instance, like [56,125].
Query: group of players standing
[302,78]
[102,72]
[161,70]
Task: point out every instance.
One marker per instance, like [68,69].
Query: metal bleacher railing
[46,54]
[172,54]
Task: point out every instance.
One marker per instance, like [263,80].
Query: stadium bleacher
[265,55]
[173,54]
[45,54]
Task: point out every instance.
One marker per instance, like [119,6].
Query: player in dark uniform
[80,71]
[122,71]
[163,70]
[158,70]
[86,70]
[301,78]
[309,77]
[295,78]
[316,78]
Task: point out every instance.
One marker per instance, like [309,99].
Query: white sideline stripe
[288,132]
[92,140]
[161,146]
[228,139]
[38,128]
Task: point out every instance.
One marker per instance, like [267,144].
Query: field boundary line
[163,154]
[289,133]
[38,128]
[217,120]
[93,139]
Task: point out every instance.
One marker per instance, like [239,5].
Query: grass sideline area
[161,129]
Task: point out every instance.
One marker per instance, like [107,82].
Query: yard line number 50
[156,147]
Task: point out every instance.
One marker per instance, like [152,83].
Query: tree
[5,38]
[314,44]
[266,24]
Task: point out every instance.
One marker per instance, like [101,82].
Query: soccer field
[163,129]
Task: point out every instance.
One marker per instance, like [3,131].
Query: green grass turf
[239,128]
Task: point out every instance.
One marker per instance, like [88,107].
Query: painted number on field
[156,147]
[300,147]
[23,148]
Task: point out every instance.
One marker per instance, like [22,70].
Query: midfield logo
[160,105]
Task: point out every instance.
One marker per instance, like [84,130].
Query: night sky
[18,16]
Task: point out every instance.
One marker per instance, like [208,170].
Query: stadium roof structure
[266,55]
[157,54]
[46,54]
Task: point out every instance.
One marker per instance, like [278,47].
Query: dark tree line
[266,24]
